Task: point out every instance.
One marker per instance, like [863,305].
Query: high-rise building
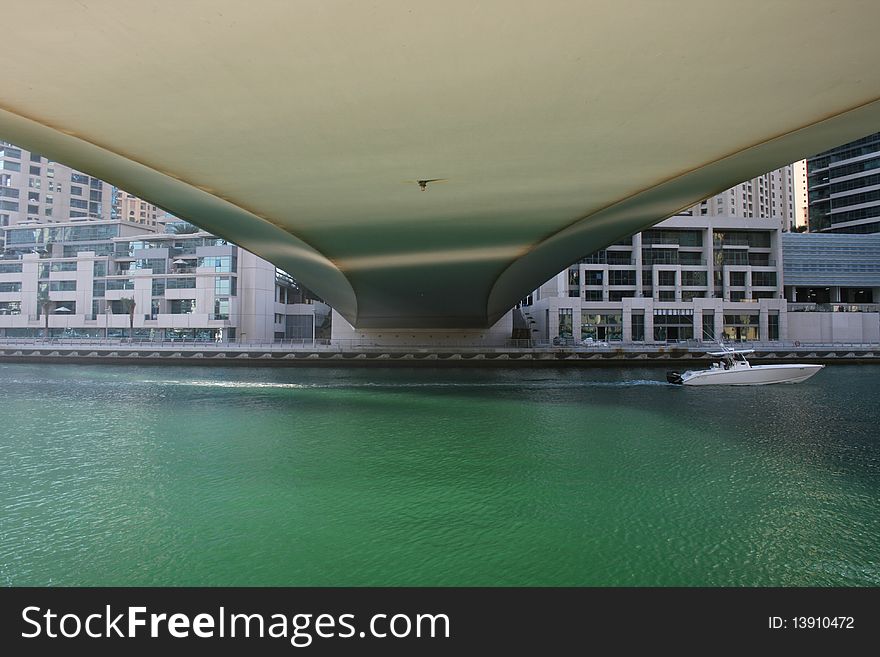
[33,188]
[844,187]
[127,207]
[712,271]
[801,200]
[765,197]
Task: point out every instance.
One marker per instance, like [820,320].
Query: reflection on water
[208,476]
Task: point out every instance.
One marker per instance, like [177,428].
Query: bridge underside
[299,130]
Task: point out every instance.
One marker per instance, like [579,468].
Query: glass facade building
[844,188]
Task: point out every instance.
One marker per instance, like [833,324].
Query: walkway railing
[692,346]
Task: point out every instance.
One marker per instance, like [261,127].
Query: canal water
[113,475]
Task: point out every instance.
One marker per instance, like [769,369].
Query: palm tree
[128,305]
[184,228]
[45,304]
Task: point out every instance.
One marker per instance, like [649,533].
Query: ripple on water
[239,476]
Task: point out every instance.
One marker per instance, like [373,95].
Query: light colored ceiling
[291,127]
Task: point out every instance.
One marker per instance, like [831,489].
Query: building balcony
[834,307]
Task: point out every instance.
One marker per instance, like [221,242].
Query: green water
[202,476]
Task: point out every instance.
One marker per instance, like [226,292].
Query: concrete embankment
[423,356]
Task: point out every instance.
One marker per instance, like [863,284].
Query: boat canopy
[731,352]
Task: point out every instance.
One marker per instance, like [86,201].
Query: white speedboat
[735,370]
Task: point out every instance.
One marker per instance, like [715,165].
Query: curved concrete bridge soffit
[301,130]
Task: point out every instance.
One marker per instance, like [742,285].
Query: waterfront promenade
[512,354]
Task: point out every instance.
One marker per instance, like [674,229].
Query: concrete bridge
[306,131]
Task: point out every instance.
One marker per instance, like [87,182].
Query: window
[773,326]
[673,325]
[666,277]
[619,295]
[71,251]
[182,306]
[741,327]
[181,283]
[79,203]
[158,287]
[681,237]
[120,284]
[693,278]
[660,256]
[10,268]
[10,287]
[690,258]
[75,190]
[98,288]
[221,309]
[764,278]
[592,295]
[638,328]
[10,307]
[99,269]
[666,295]
[601,327]
[593,277]
[156,265]
[9,165]
[565,322]
[573,277]
[690,295]
[738,278]
[79,178]
[63,266]
[709,327]
[62,286]
[621,277]
[225,286]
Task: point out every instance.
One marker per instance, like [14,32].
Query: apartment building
[111,279]
[771,195]
[33,188]
[132,209]
[688,278]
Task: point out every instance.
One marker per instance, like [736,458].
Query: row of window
[43,235]
[667,278]
[825,176]
[668,326]
[670,295]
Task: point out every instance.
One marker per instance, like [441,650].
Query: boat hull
[757,375]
